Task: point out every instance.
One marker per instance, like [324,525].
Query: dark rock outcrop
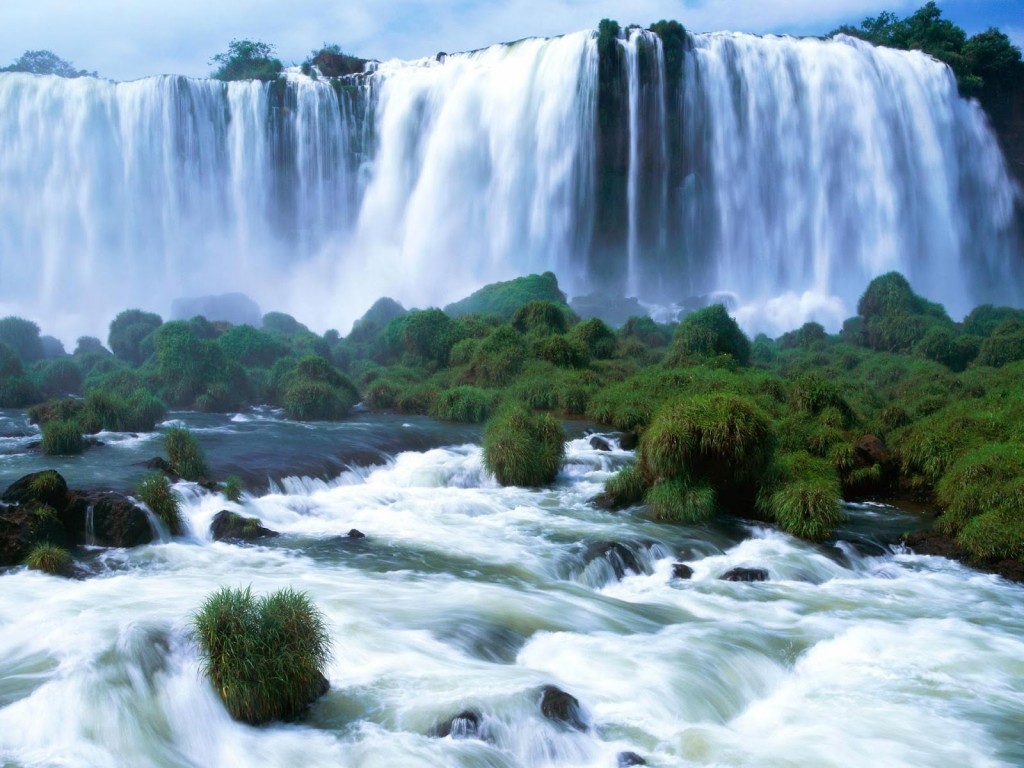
[557,705]
[106,519]
[745,574]
[23,527]
[232,526]
[619,556]
[681,571]
[599,443]
[628,441]
[871,450]
[355,534]
[46,487]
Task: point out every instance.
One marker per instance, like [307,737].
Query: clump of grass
[681,501]
[233,488]
[156,493]
[802,496]
[626,487]
[49,558]
[466,404]
[264,656]
[523,448]
[48,487]
[185,455]
[62,438]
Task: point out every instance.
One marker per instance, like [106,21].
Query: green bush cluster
[62,438]
[265,656]
[156,493]
[184,454]
[523,448]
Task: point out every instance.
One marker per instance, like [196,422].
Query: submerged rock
[557,705]
[230,525]
[625,759]
[465,725]
[745,574]
[681,571]
[106,519]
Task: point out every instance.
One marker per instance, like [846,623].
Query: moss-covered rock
[503,299]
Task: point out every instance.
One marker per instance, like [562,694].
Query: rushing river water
[468,596]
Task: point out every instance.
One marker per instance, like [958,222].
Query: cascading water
[788,172]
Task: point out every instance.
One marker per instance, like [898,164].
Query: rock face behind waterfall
[39,508]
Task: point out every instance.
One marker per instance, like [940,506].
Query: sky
[128,39]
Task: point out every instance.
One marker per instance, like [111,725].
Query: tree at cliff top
[46,63]
[247,60]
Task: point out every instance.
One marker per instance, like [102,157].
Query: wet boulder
[628,441]
[23,527]
[465,725]
[47,487]
[106,519]
[681,571]
[598,443]
[557,705]
[871,450]
[746,574]
[625,759]
[356,534]
[232,526]
[620,557]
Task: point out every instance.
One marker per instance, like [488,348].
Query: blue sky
[126,39]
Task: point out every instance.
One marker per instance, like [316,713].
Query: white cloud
[124,39]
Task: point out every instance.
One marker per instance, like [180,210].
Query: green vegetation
[707,333]
[62,438]
[984,64]
[523,448]
[49,558]
[22,337]
[45,63]
[266,656]
[247,60]
[503,299]
[185,455]
[233,488]
[156,493]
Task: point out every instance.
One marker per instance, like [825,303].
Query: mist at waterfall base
[785,172]
[468,596]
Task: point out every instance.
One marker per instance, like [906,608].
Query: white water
[809,167]
[469,596]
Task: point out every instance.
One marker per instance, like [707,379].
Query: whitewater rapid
[786,172]
[469,596]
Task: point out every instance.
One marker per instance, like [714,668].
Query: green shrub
[1004,346]
[127,332]
[802,495]
[680,500]
[49,558]
[626,487]
[946,346]
[995,535]
[138,412]
[55,378]
[247,60]
[251,347]
[988,478]
[523,448]
[156,493]
[421,337]
[233,488]
[646,331]
[722,438]
[185,455]
[316,391]
[264,656]
[498,358]
[560,351]
[503,299]
[891,295]
[813,394]
[707,333]
[465,404]
[983,320]
[18,392]
[596,337]
[62,438]
[540,318]
[22,337]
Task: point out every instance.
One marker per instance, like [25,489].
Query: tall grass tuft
[523,448]
[49,558]
[265,656]
[156,493]
[185,455]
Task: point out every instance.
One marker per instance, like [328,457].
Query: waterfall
[787,172]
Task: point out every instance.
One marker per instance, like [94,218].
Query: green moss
[49,558]
[523,448]
[707,333]
[185,455]
[503,299]
[62,438]
[265,657]
[156,493]
[680,500]
[802,494]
